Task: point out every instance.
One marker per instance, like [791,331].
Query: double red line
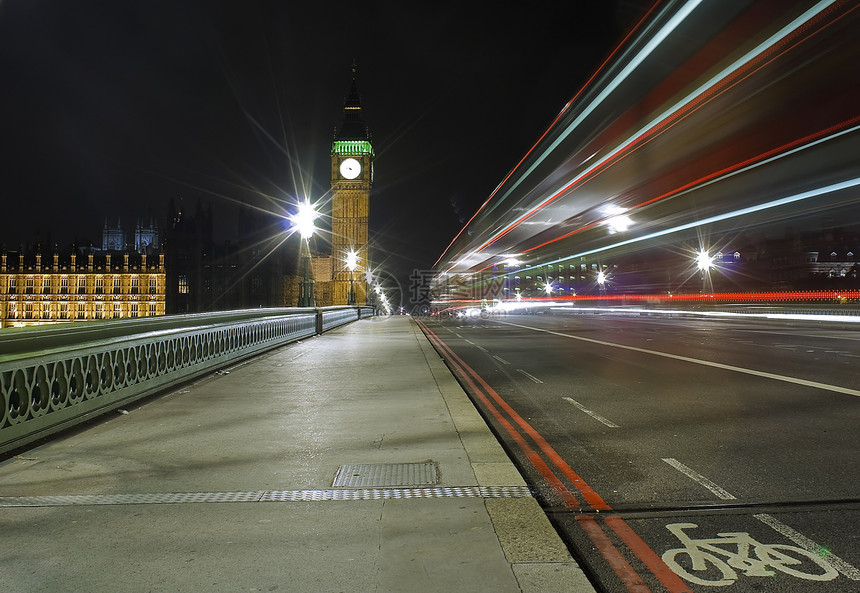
[565,482]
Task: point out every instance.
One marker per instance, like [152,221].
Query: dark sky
[110,108]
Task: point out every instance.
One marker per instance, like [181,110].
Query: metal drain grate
[386,474]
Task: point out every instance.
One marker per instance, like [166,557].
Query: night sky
[112,108]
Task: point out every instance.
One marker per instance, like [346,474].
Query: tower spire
[353,127]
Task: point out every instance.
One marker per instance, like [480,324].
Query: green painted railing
[54,377]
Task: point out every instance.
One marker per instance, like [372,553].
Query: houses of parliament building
[83,284]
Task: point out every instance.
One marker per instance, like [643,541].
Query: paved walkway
[350,462]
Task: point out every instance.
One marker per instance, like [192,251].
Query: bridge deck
[351,461]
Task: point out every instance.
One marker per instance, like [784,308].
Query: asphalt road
[643,434]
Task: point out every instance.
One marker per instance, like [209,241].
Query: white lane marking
[700,479]
[500,359]
[594,415]
[481,348]
[717,365]
[795,536]
[530,376]
[809,545]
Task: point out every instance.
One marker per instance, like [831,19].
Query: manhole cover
[387,474]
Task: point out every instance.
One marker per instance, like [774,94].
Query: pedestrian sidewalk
[349,462]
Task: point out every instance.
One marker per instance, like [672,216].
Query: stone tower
[351,180]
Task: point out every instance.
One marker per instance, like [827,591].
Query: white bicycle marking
[743,554]
[798,538]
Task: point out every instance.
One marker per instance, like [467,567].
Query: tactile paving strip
[268,496]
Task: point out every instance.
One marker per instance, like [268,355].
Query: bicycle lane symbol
[720,561]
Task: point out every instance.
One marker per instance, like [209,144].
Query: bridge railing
[54,377]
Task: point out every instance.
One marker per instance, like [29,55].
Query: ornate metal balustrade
[55,377]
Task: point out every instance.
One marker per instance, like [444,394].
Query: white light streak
[661,35]
[813,193]
[637,60]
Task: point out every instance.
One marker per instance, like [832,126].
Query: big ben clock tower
[351,179]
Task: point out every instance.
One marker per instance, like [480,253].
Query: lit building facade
[35,290]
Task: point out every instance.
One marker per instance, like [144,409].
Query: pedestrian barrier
[52,378]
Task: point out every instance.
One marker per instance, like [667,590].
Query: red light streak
[551,126]
[768,56]
[716,174]
[839,296]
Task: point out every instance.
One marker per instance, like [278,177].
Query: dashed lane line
[529,375]
[699,479]
[594,415]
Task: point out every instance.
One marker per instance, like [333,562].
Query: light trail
[724,174]
[672,115]
[664,32]
[775,146]
[551,126]
[720,217]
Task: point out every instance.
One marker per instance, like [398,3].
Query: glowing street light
[351,264]
[303,222]
[618,221]
[704,261]
[548,288]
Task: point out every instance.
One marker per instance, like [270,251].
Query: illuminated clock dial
[350,168]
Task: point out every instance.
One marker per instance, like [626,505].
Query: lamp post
[303,222]
[368,282]
[351,264]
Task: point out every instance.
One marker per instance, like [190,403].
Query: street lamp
[351,264]
[548,287]
[303,222]
[704,262]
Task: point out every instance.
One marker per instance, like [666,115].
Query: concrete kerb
[538,557]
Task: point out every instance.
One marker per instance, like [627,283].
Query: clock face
[350,168]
